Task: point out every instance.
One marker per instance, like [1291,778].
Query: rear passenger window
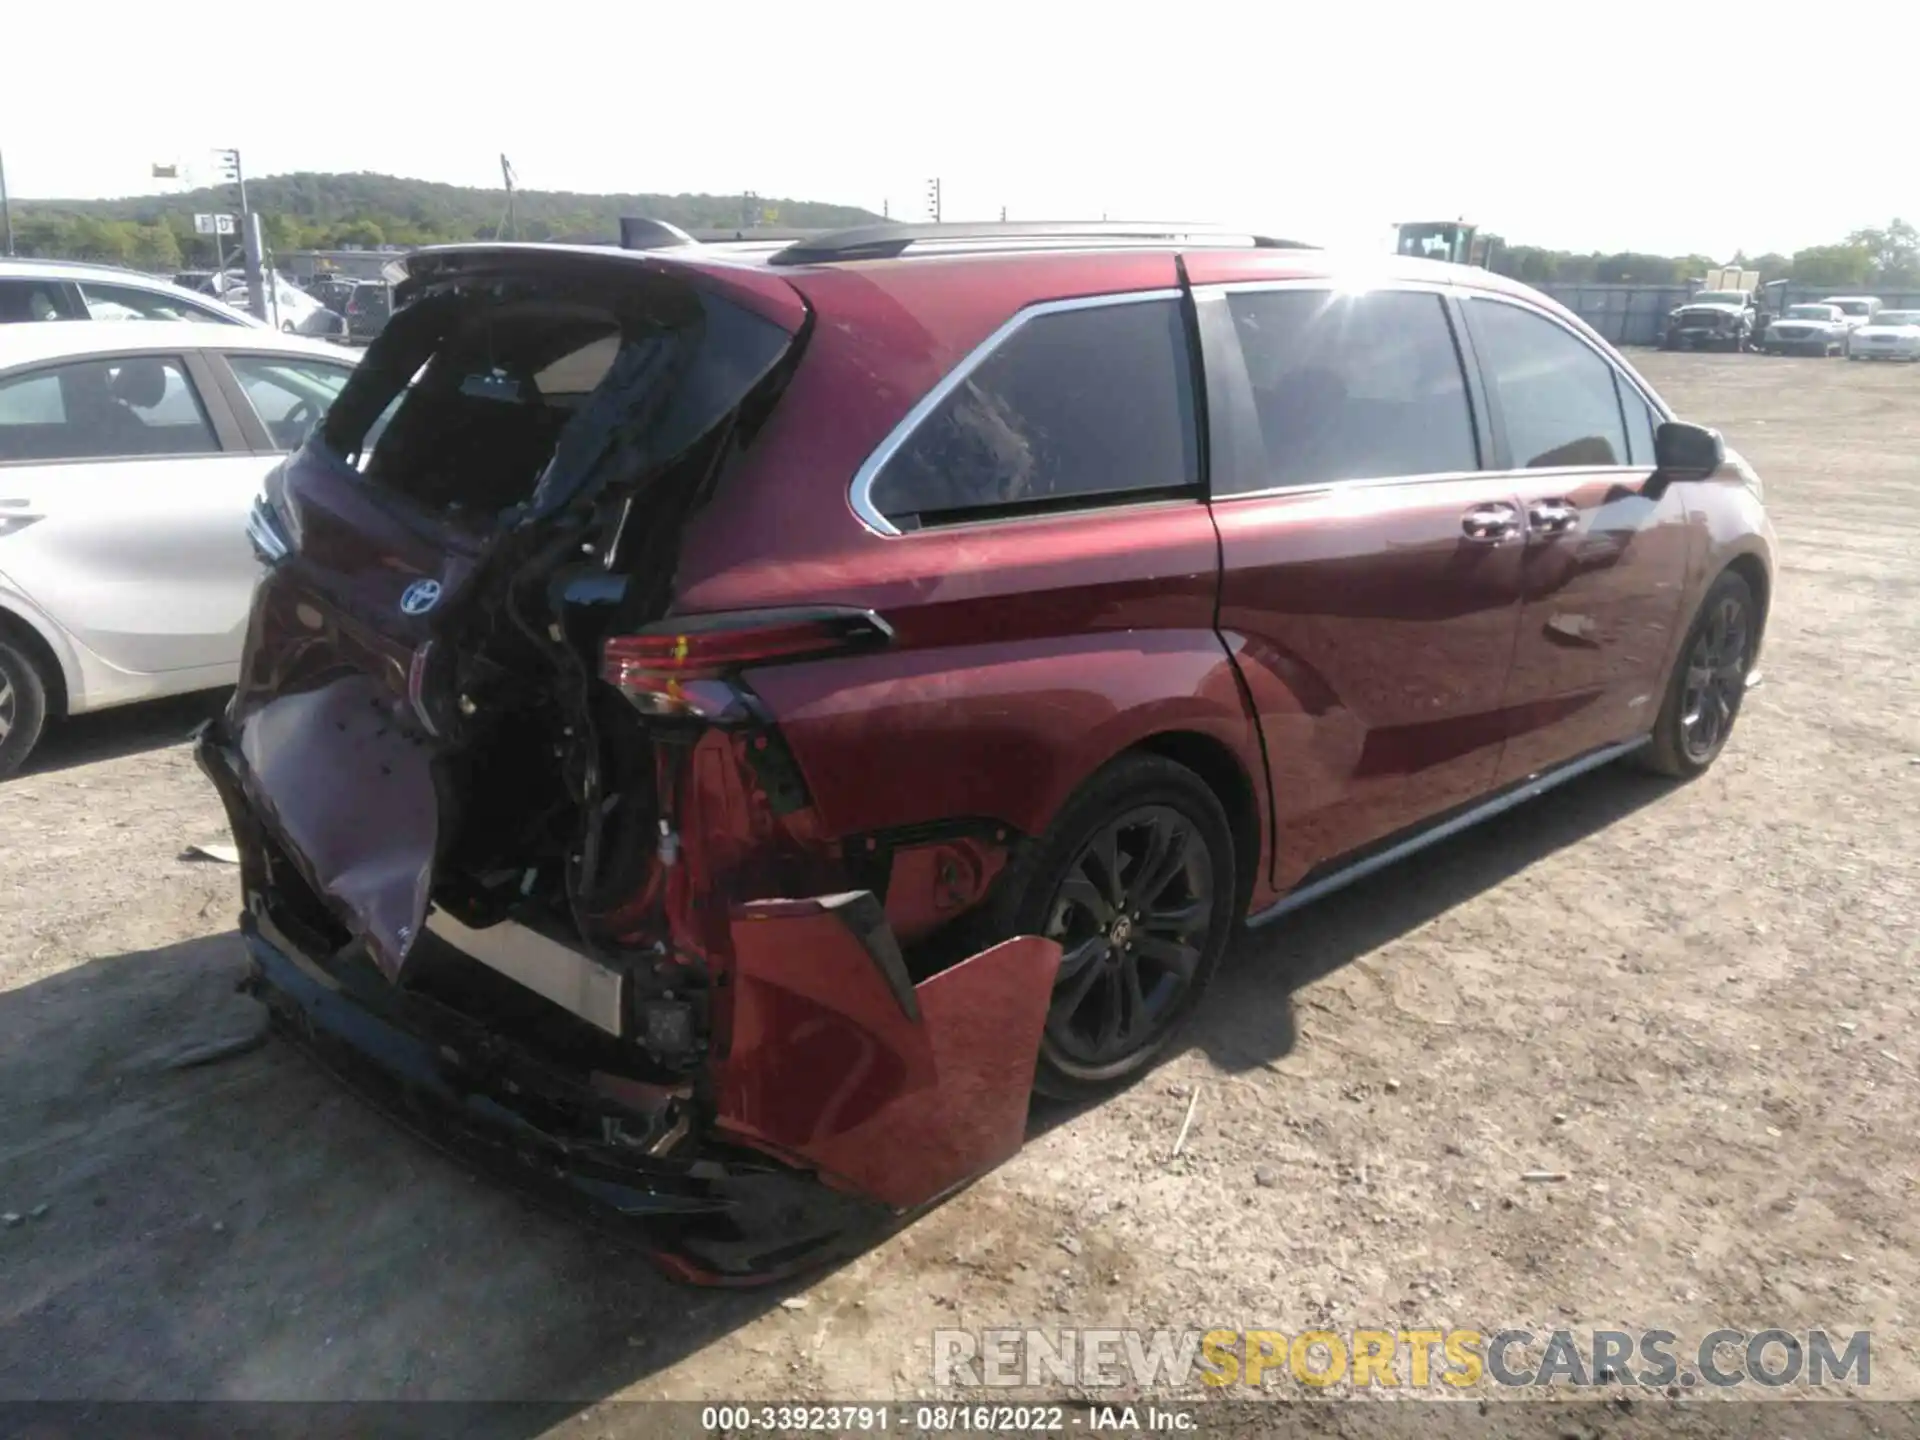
[1075,407]
[1353,387]
[1556,395]
[1640,423]
[104,409]
[35,300]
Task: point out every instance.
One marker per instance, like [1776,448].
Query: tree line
[324,212]
[1874,259]
[310,211]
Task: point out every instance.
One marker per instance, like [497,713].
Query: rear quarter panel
[1027,653]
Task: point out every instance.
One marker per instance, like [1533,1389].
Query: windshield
[1897,317]
[1810,312]
[1718,297]
[1851,307]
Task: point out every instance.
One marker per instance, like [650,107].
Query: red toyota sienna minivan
[720,725]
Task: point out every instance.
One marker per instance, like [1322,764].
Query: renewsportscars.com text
[1399,1358]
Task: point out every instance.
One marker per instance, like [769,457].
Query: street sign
[213,225]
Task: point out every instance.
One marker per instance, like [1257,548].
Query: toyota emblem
[420,597]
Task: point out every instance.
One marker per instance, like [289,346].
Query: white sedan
[130,456]
[1890,335]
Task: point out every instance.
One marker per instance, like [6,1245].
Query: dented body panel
[899,1092]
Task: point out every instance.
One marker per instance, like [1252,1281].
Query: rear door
[133,476]
[1371,568]
[1604,565]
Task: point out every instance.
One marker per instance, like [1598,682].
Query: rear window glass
[135,407]
[490,392]
[1075,407]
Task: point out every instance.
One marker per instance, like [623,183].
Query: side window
[1353,387]
[1556,394]
[127,302]
[1640,422]
[102,410]
[288,395]
[22,300]
[1075,405]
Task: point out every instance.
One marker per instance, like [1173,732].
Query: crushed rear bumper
[707,1215]
[842,1097]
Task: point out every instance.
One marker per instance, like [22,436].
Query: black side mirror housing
[1683,452]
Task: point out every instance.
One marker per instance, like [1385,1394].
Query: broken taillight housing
[682,666]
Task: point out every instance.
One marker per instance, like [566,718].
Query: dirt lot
[1698,1002]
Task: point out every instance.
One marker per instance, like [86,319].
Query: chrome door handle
[1552,517]
[1490,524]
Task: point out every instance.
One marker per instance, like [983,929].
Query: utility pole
[6,208]
[1003,214]
[257,296]
[513,215]
[933,199]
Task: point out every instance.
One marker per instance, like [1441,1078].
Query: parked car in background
[1890,335]
[293,310]
[68,290]
[753,714]
[203,282]
[1810,329]
[1711,320]
[368,309]
[332,291]
[130,456]
[1855,310]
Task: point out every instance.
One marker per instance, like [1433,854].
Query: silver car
[130,456]
[71,290]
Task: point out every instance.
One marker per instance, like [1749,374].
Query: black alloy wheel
[1132,918]
[1709,681]
[1136,881]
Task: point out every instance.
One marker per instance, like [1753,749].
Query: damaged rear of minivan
[523,856]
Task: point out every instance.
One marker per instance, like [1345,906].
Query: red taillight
[671,668]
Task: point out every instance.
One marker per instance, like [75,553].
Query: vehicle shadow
[222,1221]
[123,730]
[1247,1018]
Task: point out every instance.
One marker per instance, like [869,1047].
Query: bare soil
[1699,1002]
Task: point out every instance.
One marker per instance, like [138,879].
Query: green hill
[305,210]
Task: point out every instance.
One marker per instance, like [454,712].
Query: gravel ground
[1698,1003]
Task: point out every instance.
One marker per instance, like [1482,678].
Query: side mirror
[1683,452]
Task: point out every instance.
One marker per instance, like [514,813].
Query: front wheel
[1135,880]
[1708,683]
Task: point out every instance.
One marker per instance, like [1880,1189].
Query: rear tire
[1708,683]
[23,707]
[1136,880]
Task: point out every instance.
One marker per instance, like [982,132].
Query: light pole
[250,243]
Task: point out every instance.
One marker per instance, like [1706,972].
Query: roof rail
[884,242]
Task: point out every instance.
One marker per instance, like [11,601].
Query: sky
[1672,129]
